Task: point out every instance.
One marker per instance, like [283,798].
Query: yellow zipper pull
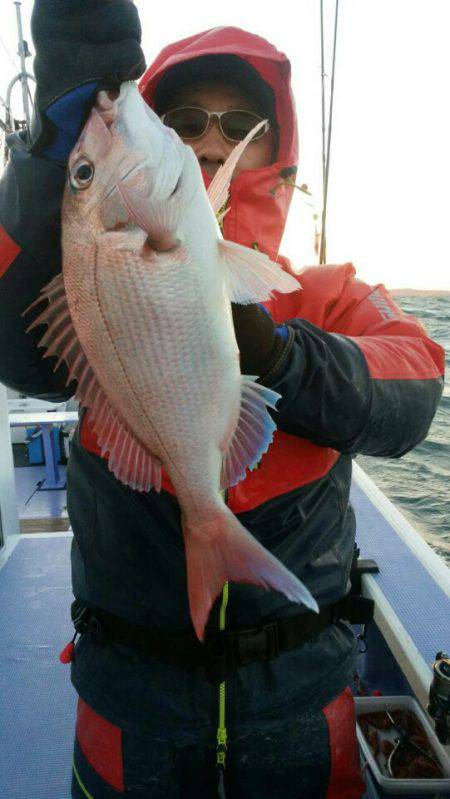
[221,749]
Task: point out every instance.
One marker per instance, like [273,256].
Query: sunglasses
[191,123]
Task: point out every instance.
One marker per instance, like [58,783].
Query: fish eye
[81,174]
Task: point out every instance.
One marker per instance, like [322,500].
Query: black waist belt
[221,651]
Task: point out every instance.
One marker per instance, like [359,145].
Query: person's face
[212,149]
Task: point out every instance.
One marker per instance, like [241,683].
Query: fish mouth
[107,105]
[145,185]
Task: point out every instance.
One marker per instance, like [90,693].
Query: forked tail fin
[220,549]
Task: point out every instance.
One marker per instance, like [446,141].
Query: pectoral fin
[251,276]
[158,219]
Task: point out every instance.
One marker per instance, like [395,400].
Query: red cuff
[9,251]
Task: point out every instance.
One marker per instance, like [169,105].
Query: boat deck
[39,510]
[412,589]
[38,701]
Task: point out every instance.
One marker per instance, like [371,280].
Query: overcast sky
[390,166]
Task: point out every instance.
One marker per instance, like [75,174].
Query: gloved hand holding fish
[141,314]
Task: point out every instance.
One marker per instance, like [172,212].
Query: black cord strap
[222,651]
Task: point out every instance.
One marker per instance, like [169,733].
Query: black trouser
[309,757]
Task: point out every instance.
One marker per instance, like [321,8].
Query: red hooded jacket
[357,376]
[395,346]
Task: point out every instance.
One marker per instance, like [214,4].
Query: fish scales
[182,392]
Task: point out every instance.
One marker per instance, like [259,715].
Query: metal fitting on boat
[439,699]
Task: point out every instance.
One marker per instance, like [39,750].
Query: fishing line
[9,55]
[130,72]
[322,70]
[38,485]
[326,157]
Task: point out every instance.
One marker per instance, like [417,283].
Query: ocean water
[419,482]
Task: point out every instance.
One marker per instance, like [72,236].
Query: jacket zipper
[221,749]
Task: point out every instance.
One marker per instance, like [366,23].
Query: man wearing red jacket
[355,374]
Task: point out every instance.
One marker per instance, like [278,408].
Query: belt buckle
[258,644]
[97,631]
[78,620]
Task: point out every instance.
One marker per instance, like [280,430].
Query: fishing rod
[3,133]
[2,124]
[23,77]
[326,151]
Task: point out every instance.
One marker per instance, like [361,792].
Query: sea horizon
[417,483]
[409,292]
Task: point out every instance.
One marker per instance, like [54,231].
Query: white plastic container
[423,787]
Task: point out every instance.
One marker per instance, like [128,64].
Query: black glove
[261,342]
[81,46]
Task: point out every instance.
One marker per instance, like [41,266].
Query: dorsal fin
[220,184]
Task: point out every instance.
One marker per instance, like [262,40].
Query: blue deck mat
[37,700]
[418,601]
[38,504]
